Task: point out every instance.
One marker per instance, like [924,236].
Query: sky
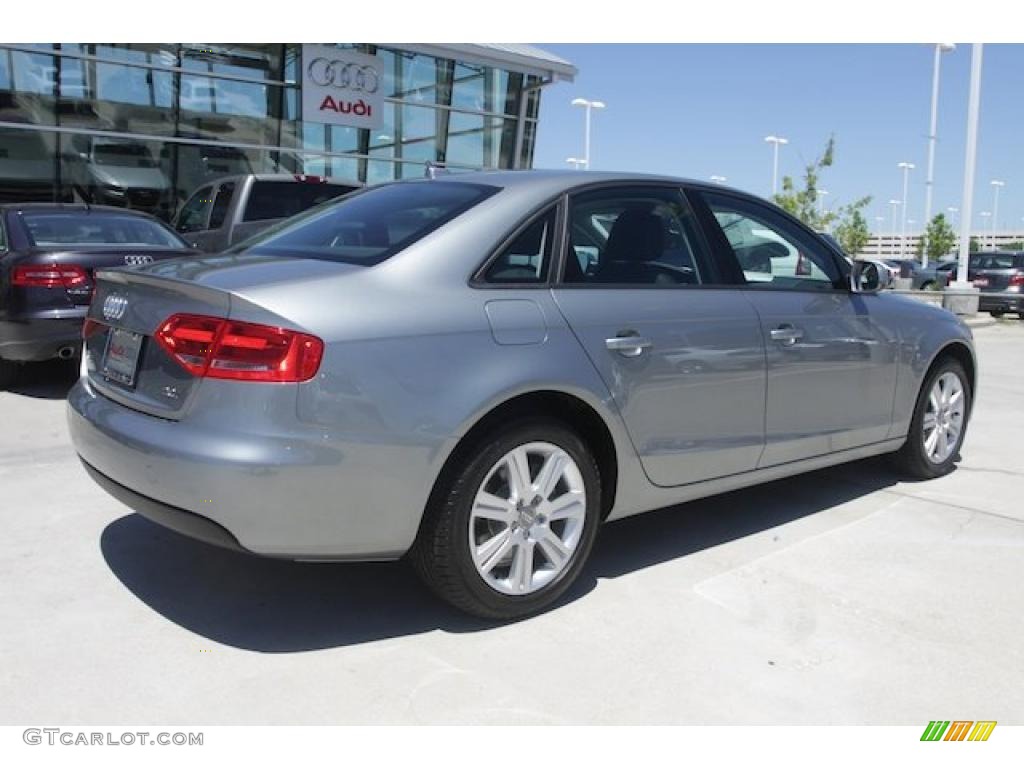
[698,110]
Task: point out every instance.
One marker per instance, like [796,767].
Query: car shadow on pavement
[48,381]
[278,606]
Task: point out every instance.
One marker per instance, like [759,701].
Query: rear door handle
[786,334]
[631,345]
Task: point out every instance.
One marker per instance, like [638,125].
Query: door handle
[786,334]
[628,345]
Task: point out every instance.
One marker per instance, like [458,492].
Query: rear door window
[372,225]
[281,199]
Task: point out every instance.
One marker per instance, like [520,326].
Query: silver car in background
[477,370]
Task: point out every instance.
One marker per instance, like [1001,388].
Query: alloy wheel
[527,519]
[943,417]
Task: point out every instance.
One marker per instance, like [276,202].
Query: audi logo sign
[138,259]
[341,87]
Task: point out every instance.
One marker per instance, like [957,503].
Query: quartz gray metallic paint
[341,466]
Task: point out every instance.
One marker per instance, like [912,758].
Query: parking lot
[843,596]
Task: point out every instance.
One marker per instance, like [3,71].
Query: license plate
[121,358]
[981,282]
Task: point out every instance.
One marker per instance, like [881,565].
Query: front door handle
[786,334]
[628,345]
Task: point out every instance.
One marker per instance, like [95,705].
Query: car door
[831,354]
[679,349]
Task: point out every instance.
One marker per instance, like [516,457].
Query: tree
[973,245]
[852,232]
[939,238]
[851,227]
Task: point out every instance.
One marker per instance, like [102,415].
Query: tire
[455,536]
[915,458]
[997,314]
[8,373]
[928,286]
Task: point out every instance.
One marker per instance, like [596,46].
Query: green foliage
[852,232]
[974,246]
[850,226]
[939,238]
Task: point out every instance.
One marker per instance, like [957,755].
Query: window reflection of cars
[117,172]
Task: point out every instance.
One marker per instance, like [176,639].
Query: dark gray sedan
[478,370]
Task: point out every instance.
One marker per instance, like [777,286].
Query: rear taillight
[49,276]
[218,348]
[1017,280]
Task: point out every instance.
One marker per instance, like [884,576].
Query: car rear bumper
[996,302]
[179,520]
[292,494]
[42,335]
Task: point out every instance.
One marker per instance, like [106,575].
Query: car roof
[295,177]
[555,180]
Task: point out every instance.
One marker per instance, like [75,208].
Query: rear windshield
[96,228]
[999,261]
[371,225]
[281,199]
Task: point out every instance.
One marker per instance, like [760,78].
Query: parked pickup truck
[231,209]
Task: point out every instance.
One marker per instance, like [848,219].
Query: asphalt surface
[844,596]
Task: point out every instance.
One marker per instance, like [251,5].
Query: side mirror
[869,277]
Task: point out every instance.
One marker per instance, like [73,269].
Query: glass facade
[145,125]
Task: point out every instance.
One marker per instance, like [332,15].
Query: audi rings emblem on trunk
[114,306]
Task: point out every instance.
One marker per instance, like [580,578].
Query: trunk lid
[122,359]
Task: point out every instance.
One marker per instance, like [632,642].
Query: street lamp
[953,211]
[987,216]
[588,105]
[718,179]
[776,141]
[878,223]
[576,162]
[996,186]
[940,48]
[907,168]
[967,198]
[821,200]
[895,204]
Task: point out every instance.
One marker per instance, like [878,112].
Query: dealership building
[146,125]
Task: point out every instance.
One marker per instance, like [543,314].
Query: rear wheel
[997,314]
[8,373]
[939,423]
[512,528]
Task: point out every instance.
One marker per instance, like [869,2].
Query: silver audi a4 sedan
[477,370]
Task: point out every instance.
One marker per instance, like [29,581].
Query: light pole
[907,168]
[970,156]
[996,186]
[895,204]
[576,162]
[588,105]
[776,141]
[940,48]
[952,216]
[718,179]
[910,225]
[878,223]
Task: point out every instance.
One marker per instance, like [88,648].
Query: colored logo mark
[958,730]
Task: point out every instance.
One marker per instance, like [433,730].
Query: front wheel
[997,314]
[512,528]
[939,422]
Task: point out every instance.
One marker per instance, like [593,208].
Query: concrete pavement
[845,596]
